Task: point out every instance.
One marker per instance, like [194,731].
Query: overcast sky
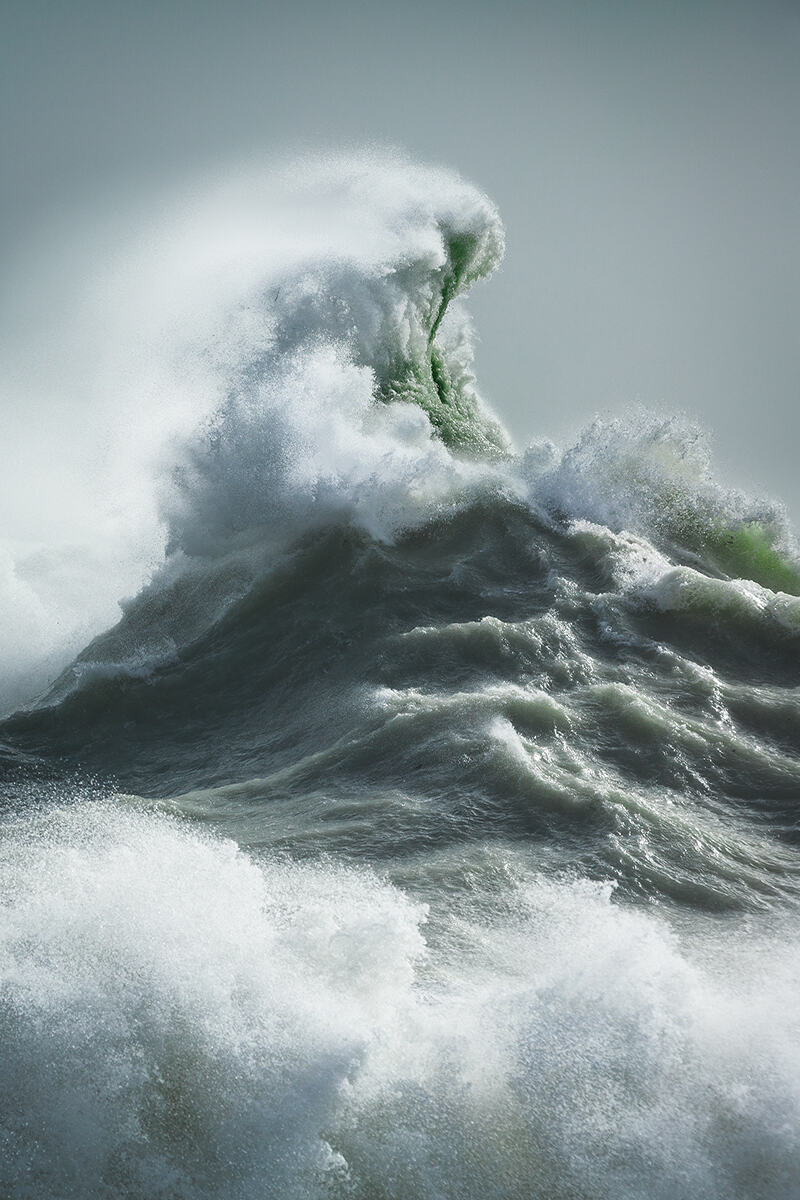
[644,156]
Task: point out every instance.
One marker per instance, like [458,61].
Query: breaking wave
[424,823]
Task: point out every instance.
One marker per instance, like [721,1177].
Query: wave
[313,367]
[654,476]
[182,1019]
[426,823]
[249,339]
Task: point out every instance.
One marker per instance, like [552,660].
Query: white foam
[641,572]
[178,1020]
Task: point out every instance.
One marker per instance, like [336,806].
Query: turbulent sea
[425,826]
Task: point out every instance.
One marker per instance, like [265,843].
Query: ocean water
[423,825]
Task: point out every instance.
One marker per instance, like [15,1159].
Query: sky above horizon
[644,158]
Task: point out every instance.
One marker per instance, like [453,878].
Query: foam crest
[316,343]
[642,573]
[654,477]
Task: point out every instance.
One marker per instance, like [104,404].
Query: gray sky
[644,156]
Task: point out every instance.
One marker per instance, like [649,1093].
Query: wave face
[426,825]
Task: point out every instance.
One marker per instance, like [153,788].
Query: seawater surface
[426,824]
